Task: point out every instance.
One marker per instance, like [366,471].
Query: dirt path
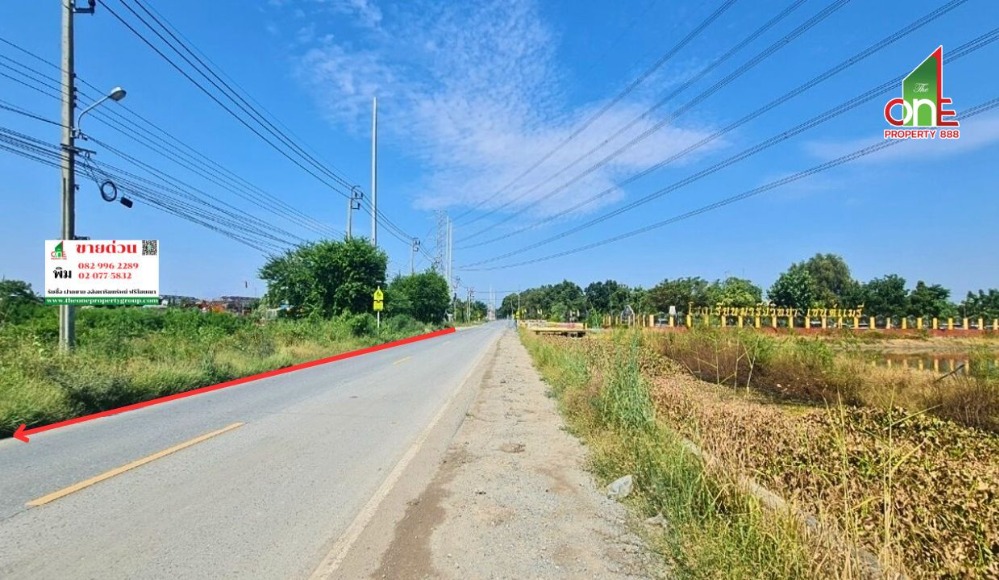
[511,499]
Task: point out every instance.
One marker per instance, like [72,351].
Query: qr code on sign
[149,247]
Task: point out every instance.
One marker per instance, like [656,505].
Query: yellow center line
[119,470]
[402,360]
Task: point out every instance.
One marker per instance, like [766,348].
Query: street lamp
[116,94]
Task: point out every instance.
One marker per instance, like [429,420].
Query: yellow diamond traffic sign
[379,295]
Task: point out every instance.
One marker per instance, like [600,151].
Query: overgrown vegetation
[809,369]
[888,488]
[714,530]
[127,355]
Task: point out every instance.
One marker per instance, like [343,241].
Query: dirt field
[512,499]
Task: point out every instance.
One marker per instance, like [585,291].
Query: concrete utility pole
[374,171]
[468,306]
[412,256]
[67,315]
[450,263]
[353,202]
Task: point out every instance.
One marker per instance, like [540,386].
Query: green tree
[18,302]
[793,288]
[679,293]
[886,296]
[325,278]
[926,300]
[982,305]
[831,279]
[732,291]
[604,297]
[423,296]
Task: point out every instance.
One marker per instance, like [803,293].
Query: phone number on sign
[108,265]
[105,275]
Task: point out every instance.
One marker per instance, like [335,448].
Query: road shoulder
[511,498]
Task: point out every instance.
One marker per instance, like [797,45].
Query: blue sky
[472,94]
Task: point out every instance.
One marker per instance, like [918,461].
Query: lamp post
[116,94]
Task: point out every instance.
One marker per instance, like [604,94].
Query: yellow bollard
[936,324]
[757,322]
[773,320]
[707,320]
[790,322]
[856,322]
[920,364]
[690,321]
[964,324]
[905,323]
[839,322]
[950,324]
[919,323]
[823,322]
[888,323]
[874,323]
[981,325]
[936,365]
[740,321]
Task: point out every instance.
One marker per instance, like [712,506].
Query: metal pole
[67,321]
[374,171]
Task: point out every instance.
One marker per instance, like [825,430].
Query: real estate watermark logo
[58,253]
[922,104]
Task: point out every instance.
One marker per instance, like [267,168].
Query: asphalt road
[266,499]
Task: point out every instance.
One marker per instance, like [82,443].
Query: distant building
[174,300]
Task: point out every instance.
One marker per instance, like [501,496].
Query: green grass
[128,355]
[714,530]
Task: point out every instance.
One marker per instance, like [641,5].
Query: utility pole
[67,315]
[374,171]
[468,306]
[353,202]
[412,256]
[450,263]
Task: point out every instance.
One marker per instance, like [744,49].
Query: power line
[669,54]
[766,53]
[986,106]
[962,51]
[787,11]
[216,99]
[132,130]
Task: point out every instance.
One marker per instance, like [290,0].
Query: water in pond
[938,363]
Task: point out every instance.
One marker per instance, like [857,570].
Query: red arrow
[23,432]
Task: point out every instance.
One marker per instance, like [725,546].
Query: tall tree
[984,304]
[886,296]
[679,292]
[325,278]
[733,291]
[793,288]
[423,296]
[926,300]
[831,279]
[600,295]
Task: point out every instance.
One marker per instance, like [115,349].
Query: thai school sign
[102,272]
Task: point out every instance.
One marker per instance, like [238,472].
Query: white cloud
[474,92]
